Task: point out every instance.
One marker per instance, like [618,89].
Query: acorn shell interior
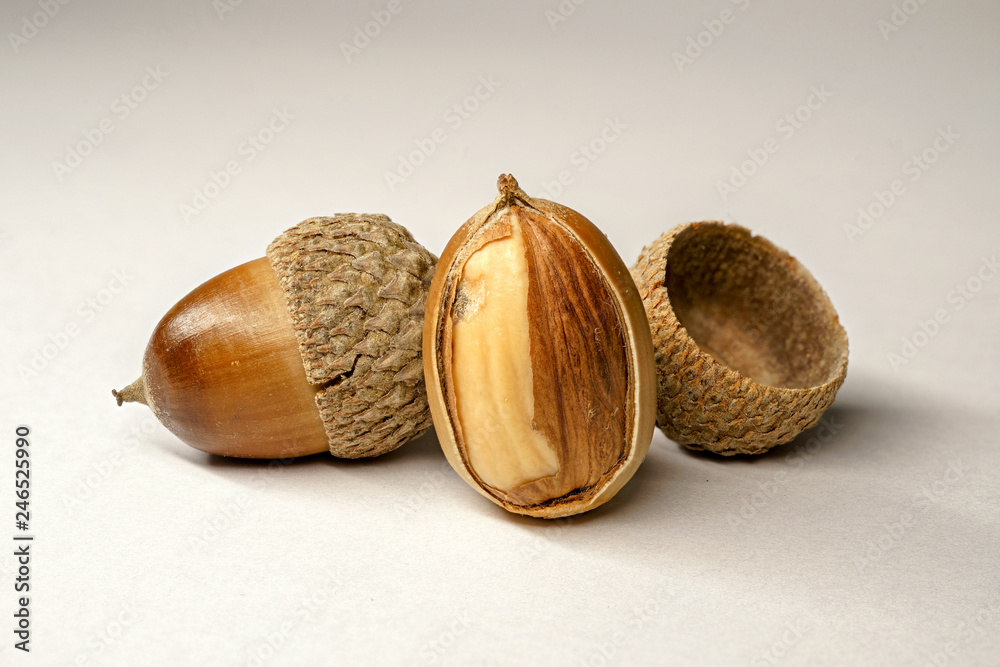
[753,307]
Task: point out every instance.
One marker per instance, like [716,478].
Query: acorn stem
[508,190]
[134,393]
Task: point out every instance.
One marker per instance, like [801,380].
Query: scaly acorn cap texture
[356,286]
[749,349]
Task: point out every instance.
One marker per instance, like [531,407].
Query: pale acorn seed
[538,358]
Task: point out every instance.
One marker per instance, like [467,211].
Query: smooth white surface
[149,552]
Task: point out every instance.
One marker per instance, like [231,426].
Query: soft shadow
[838,427]
[655,478]
[424,448]
[857,419]
[230,462]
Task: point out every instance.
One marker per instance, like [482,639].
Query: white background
[875,544]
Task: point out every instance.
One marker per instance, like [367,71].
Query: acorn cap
[749,349]
[356,285]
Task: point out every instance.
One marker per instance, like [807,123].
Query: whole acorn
[315,347]
[538,358]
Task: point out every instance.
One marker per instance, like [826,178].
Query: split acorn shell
[749,349]
[538,358]
[315,347]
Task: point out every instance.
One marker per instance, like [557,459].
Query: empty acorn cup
[749,350]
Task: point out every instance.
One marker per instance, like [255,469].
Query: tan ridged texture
[356,288]
[749,350]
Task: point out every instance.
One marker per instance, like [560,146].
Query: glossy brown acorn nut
[538,358]
[315,347]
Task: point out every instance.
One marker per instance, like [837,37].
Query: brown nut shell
[749,349]
[222,371]
[578,425]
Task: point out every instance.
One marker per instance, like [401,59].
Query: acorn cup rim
[704,402]
[837,370]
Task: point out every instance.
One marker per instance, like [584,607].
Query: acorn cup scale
[315,347]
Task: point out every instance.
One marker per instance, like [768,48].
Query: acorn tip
[134,393]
